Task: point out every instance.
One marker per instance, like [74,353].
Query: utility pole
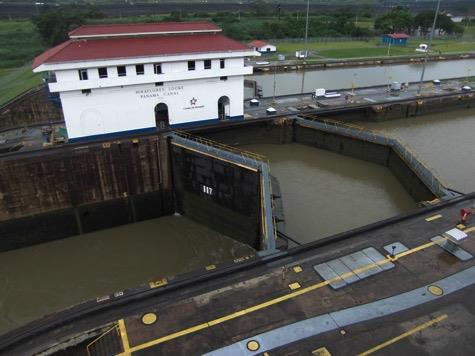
[275,71]
[306,29]
[306,47]
[428,48]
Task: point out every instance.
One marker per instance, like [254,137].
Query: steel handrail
[100,337]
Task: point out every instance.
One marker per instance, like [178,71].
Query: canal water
[338,78]
[45,278]
[325,193]
[445,142]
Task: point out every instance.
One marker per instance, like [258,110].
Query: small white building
[119,79]
[262,46]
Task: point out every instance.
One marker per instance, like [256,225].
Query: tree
[261,8]
[53,25]
[396,20]
[444,25]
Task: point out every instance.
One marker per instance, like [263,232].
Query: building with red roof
[262,46]
[115,79]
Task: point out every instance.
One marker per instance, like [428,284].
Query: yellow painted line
[274,301]
[124,337]
[435,217]
[168,337]
[297,269]
[322,351]
[411,251]
[404,335]
[470,229]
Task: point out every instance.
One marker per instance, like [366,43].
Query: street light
[306,47]
[306,29]
[428,48]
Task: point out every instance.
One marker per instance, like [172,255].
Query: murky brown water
[445,142]
[325,193]
[45,278]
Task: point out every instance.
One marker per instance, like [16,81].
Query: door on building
[161,116]
[223,108]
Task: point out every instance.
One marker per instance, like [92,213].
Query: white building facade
[116,80]
[262,46]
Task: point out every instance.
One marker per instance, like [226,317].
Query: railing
[246,155]
[420,168]
[94,347]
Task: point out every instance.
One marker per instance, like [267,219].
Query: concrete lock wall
[368,151]
[412,108]
[347,146]
[423,106]
[271,131]
[217,193]
[285,131]
[66,192]
[30,108]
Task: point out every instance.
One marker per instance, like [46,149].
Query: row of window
[207,64]
[140,69]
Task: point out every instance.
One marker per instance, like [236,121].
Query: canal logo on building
[193,105]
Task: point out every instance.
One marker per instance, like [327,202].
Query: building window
[139,69]
[121,71]
[223,78]
[191,65]
[157,68]
[102,72]
[82,74]
[207,63]
[159,84]
[221,63]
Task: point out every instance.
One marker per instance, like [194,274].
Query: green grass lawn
[19,45]
[17,80]
[372,48]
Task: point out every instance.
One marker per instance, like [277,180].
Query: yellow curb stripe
[274,301]
[124,337]
[404,335]
[435,217]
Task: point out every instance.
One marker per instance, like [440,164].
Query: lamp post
[306,29]
[306,47]
[428,48]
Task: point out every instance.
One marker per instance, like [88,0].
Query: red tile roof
[141,28]
[257,43]
[132,47]
[398,35]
